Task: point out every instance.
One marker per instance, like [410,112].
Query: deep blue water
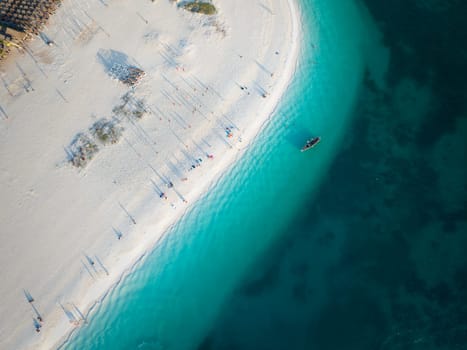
[357,244]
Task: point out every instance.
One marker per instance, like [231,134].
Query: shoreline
[293,67]
[96,291]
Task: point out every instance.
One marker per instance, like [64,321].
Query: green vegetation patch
[106,131]
[131,107]
[204,8]
[82,150]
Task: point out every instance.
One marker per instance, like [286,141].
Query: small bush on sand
[82,150]
[131,107]
[205,8]
[138,114]
[106,131]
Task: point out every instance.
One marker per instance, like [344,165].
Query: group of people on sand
[197,163]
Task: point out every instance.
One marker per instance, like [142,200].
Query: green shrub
[106,131]
[82,150]
[205,8]
[131,107]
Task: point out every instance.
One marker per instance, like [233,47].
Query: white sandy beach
[210,84]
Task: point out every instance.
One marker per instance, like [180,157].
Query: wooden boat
[310,143]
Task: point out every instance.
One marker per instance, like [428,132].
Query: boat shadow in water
[297,138]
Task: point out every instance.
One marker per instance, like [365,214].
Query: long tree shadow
[28,296]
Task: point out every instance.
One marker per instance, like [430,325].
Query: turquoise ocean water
[173,299]
[375,258]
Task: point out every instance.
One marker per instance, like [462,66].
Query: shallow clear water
[281,252]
